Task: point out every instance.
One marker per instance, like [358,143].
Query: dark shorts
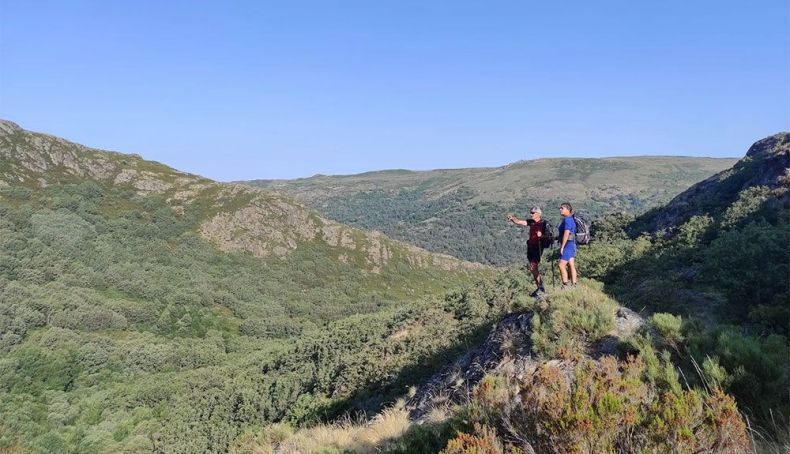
[533,254]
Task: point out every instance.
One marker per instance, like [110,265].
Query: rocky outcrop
[767,163]
[507,348]
[42,160]
[264,226]
[271,225]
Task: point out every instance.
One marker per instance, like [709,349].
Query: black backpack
[547,235]
[582,227]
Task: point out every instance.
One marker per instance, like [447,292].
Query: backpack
[582,227]
[547,235]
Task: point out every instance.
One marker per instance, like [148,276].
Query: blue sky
[243,90]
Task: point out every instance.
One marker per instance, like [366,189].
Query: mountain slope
[766,164]
[233,217]
[711,266]
[718,255]
[143,309]
[460,212]
[570,373]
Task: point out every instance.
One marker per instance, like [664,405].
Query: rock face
[36,159]
[508,347]
[271,225]
[774,151]
[233,217]
[767,163]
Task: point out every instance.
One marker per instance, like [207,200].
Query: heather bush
[606,406]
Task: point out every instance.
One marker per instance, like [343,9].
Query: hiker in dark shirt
[567,245]
[534,248]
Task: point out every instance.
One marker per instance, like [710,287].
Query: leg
[534,267]
[533,255]
[564,270]
[572,263]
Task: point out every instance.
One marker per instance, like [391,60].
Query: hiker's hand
[562,249]
[510,217]
[540,234]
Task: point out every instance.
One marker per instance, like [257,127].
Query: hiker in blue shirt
[567,245]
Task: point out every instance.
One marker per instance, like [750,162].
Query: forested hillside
[144,309]
[461,211]
[718,257]
[147,310]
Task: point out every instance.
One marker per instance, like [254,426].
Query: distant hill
[461,211]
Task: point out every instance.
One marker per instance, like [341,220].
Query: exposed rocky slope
[235,218]
[507,349]
[767,163]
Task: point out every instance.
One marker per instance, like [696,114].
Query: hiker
[567,245]
[534,244]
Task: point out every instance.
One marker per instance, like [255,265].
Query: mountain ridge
[766,163]
[494,167]
[461,212]
[238,218]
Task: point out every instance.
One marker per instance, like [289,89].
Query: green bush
[567,322]
[668,326]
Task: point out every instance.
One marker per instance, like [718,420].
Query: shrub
[483,441]
[61,228]
[567,322]
[668,326]
[740,266]
[606,406]
[754,369]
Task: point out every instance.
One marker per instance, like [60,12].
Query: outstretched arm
[515,220]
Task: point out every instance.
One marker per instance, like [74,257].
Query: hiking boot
[535,293]
[565,287]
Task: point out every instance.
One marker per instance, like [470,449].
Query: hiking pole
[540,259]
[553,282]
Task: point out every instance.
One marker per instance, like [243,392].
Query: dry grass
[342,436]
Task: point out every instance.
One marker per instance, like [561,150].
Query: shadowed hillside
[718,256]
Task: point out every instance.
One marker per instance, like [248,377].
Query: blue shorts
[569,252]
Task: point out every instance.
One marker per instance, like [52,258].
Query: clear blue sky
[240,90]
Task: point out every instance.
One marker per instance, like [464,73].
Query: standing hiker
[567,245]
[537,227]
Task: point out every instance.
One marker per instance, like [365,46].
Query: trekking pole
[540,259]
[540,248]
[553,282]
